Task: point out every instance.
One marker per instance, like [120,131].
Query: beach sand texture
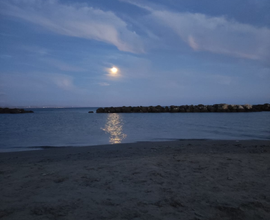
[189,179]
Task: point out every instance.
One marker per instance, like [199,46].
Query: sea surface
[76,127]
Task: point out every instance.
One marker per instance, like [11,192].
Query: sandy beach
[187,179]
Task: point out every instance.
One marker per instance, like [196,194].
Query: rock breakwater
[13,111]
[186,108]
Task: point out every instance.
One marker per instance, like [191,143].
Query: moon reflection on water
[114,127]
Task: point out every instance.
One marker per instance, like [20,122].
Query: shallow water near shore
[76,127]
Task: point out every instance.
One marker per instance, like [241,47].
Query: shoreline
[42,148]
[184,179]
[186,108]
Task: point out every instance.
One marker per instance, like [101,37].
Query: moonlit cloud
[218,35]
[63,66]
[35,50]
[213,34]
[76,21]
[53,88]
[37,81]
[192,43]
[63,82]
[104,84]
[113,72]
[201,32]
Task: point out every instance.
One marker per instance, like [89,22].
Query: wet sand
[189,179]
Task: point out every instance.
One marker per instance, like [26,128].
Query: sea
[75,127]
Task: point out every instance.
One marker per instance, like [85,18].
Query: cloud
[63,66]
[63,82]
[218,35]
[192,43]
[213,34]
[35,50]
[34,81]
[41,88]
[5,56]
[75,20]
[264,73]
[104,84]
[221,79]
[199,31]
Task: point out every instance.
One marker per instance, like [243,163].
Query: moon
[114,70]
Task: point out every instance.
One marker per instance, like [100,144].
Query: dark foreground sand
[163,180]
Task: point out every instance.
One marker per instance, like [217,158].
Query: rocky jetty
[13,111]
[186,108]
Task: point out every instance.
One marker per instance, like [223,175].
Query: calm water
[76,127]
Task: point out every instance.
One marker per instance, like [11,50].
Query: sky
[134,52]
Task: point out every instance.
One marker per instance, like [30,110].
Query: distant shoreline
[186,108]
[13,111]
